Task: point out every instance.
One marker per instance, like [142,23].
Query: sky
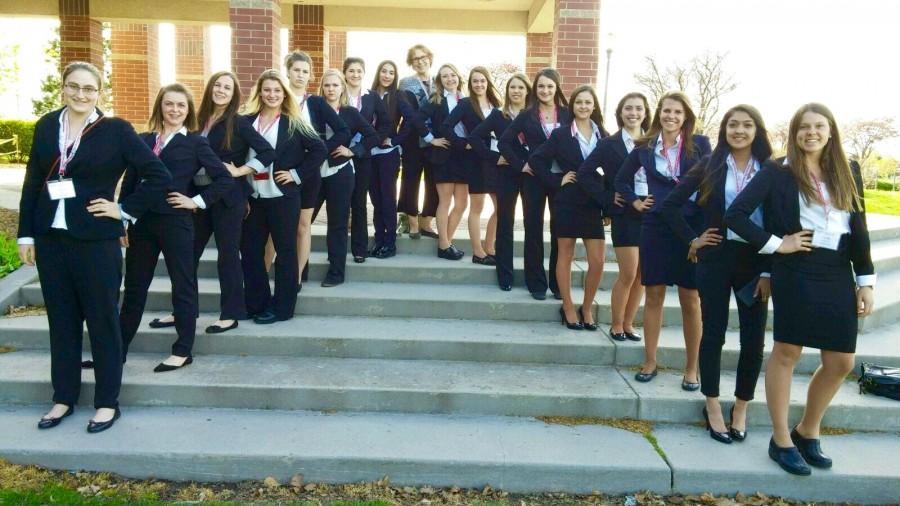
[782,53]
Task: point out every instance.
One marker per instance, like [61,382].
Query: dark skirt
[626,230]
[482,175]
[309,192]
[664,256]
[814,300]
[451,171]
[575,216]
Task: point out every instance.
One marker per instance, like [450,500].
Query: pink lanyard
[825,203]
[263,130]
[741,182]
[673,171]
[64,158]
[157,148]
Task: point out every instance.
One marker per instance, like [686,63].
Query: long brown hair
[645,125]
[491,93]
[558,98]
[155,124]
[208,107]
[687,128]
[390,100]
[438,95]
[596,114]
[527,82]
[835,168]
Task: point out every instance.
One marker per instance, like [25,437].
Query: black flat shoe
[415,236]
[87,364]
[166,368]
[429,233]
[386,252]
[618,336]
[789,459]
[557,295]
[737,435]
[215,329]
[156,323]
[539,295]
[49,423]
[722,437]
[586,325]
[265,318]
[646,377]
[450,253]
[359,259]
[506,288]
[485,260]
[632,336]
[328,283]
[374,251]
[571,326]
[688,386]
[95,427]
[810,450]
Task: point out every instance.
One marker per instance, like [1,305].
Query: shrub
[9,255]
[25,130]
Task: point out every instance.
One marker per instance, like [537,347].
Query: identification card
[61,189]
[641,189]
[600,171]
[826,239]
[495,145]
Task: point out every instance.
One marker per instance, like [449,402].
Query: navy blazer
[563,147]
[108,146]
[464,112]
[775,188]
[374,111]
[659,185]
[609,155]
[356,124]
[404,120]
[433,116]
[527,123]
[184,155]
[492,127]
[321,114]
[243,137]
[296,151]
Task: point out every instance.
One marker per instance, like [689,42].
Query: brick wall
[538,52]
[135,70]
[192,65]
[255,38]
[576,39]
[337,49]
[307,34]
[80,37]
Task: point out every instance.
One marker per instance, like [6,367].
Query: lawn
[883,202]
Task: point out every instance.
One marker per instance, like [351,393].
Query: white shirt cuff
[23,241]
[765,274]
[256,165]
[867,280]
[428,138]
[126,216]
[199,201]
[771,245]
[295,176]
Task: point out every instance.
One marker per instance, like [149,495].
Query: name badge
[826,239]
[495,146]
[600,171]
[641,189]
[61,189]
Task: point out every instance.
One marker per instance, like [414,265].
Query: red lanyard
[555,121]
[357,102]
[825,203]
[673,170]
[263,130]
[157,148]
[303,102]
[65,158]
[741,182]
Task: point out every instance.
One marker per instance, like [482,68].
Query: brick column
[135,71]
[337,49]
[80,36]
[308,34]
[191,58]
[255,39]
[576,39]
[538,52]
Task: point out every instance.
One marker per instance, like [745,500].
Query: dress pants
[359,231]
[336,193]
[534,200]
[731,269]
[225,222]
[80,282]
[383,192]
[414,164]
[173,235]
[508,184]
[277,217]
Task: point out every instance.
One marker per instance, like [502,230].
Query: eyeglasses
[73,89]
[420,59]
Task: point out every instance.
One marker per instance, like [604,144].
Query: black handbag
[880,380]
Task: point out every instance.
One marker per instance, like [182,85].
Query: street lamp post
[606,80]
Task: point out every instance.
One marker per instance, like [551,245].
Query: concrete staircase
[423,370]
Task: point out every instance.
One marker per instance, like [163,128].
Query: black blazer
[492,128]
[659,185]
[463,112]
[527,123]
[609,155]
[184,155]
[106,150]
[374,111]
[296,151]
[321,114]
[775,188]
[404,120]
[433,116]
[356,124]
[563,147]
[243,137]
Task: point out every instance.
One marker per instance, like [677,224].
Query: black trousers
[173,235]
[277,217]
[508,186]
[336,193]
[731,269]
[534,200]
[414,164]
[225,222]
[359,231]
[80,282]
[383,192]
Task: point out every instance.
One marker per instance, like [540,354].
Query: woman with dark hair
[815,222]
[633,119]
[230,136]
[70,226]
[548,111]
[577,201]
[726,265]
[484,141]
[168,227]
[481,177]
[666,154]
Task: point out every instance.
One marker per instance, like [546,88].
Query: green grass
[9,257]
[883,202]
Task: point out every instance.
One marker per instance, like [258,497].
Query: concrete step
[418,386]
[361,337]
[882,226]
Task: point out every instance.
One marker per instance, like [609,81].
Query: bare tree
[860,138]
[778,136]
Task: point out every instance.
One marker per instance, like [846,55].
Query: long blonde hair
[342,99]
[438,94]
[506,103]
[289,106]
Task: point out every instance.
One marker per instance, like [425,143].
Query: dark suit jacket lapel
[283,124]
[619,145]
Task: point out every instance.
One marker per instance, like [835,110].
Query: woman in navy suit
[484,141]
[815,223]
[548,111]
[726,263]
[169,226]
[666,154]
[481,176]
[579,194]
[633,119]
[337,173]
[275,201]
[70,226]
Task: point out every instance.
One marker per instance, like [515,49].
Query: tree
[860,138]
[500,73]
[9,69]
[51,87]
[778,136]
[704,78]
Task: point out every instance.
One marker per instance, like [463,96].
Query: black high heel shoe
[163,367]
[571,326]
[722,437]
[586,325]
[736,435]
[48,423]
